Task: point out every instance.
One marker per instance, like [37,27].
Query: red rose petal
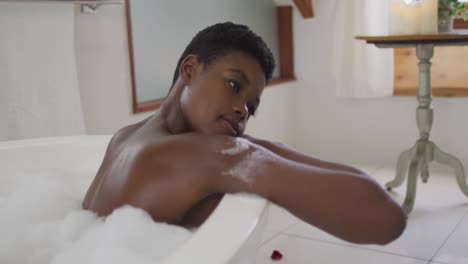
[276,255]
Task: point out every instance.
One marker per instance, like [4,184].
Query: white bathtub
[231,234]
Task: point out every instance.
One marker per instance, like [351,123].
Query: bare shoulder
[123,133]
[189,170]
[194,171]
[147,168]
[203,157]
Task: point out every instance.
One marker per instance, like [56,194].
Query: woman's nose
[241,111]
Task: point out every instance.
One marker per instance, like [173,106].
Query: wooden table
[416,159]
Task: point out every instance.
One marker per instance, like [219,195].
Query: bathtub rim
[219,224]
[204,246]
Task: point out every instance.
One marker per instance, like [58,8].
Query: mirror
[159,31]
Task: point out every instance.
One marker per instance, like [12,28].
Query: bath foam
[41,221]
[240,146]
[246,168]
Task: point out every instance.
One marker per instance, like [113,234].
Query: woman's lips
[230,127]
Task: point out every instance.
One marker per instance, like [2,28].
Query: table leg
[452,161]
[402,165]
[424,118]
[425,173]
[424,151]
[416,165]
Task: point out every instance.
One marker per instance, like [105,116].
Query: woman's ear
[188,67]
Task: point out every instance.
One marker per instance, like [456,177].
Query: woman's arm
[345,204]
[332,183]
[288,153]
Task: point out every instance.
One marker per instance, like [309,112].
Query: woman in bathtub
[178,163]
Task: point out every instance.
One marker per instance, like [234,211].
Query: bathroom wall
[39,94]
[104,80]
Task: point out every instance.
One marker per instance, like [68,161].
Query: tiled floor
[437,230]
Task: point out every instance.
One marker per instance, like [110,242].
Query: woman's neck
[171,113]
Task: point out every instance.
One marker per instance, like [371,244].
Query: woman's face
[220,98]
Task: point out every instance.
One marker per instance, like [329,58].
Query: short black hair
[221,39]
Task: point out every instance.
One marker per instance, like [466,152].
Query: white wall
[371,131]
[39,94]
[104,80]
[104,70]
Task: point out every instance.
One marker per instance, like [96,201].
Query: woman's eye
[234,86]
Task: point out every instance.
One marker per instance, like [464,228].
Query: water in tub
[41,221]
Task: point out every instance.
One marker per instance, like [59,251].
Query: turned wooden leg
[452,161]
[425,173]
[415,166]
[402,165]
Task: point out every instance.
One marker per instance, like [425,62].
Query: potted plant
[448,9]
